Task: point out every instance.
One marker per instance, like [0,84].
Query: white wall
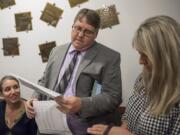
[132,13]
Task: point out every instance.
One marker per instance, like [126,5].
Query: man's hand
[97,129]
[29,108]
[68,105]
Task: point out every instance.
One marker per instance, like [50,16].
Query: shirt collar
[71,49]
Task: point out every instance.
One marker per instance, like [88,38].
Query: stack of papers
[48,118]
[37,88]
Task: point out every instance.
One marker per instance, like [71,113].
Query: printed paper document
[37,87]
[49,119]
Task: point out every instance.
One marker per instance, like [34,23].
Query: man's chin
[77,46]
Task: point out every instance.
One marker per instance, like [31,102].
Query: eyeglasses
[86,32]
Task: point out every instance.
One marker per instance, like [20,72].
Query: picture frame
[109,16]
[74,3]
[45,50]
[10,46]
[6,3]
[51,14]
[23,21]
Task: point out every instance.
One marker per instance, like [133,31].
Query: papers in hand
[37,87]
[49,119]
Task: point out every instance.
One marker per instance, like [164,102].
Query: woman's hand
[99,129]
[29,108]
[119,131]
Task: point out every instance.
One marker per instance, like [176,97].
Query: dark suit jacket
[100,64]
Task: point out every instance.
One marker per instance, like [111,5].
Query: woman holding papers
[154,107]
[13,119]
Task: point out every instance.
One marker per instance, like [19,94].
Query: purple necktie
[67,74]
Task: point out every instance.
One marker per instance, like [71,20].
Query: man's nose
[81,33]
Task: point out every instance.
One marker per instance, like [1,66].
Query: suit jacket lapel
[89,56]
[60,53]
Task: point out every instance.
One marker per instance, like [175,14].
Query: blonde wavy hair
[159,39]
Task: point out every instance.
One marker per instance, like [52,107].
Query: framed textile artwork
[45,50]
[23,21]
[74,3]
[6,3]
[10,46]
[51,14]
[109,16]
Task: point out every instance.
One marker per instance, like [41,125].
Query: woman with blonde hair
[154,107]
[13,119]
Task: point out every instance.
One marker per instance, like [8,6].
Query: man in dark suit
[96,64]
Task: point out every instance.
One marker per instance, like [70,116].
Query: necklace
[12,116]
